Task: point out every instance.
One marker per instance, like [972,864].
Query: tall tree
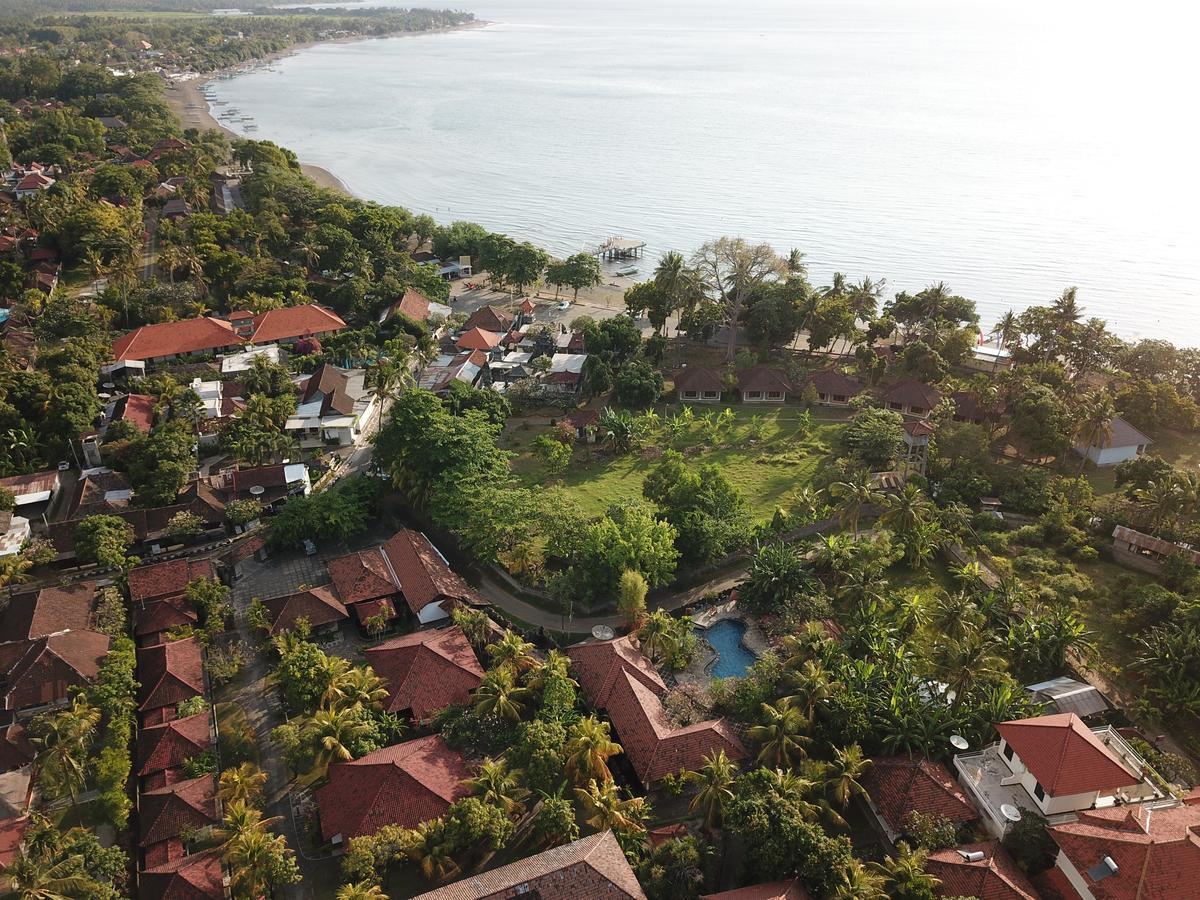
[734,270]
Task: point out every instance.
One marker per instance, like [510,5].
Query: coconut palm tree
[358,686]
[659,635]
[714,781]
[804,645]
[361,890]
[1008,330]
[811,686]
[334,732]
[241,819]
[905,876]
[36,874]
[244,783]
[1094,416]
[496,784]
[860,883]
[854,496]
[588,749]
[253,859]
[604,808]
[906,511]
[842,775]
[431,849]
[62,741]
[512,653]
[500,695]
[781,736]
[961,663]
[1162,500]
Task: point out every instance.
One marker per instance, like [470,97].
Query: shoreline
[186,98]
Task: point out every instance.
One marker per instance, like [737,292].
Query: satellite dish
[257,490]
[1010,812]
[603,633]
[958,742]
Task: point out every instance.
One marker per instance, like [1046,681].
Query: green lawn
[1176,447]
[766,471]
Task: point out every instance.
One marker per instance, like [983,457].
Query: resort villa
[1121,442]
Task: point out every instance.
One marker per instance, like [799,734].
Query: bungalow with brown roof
[834,388]
[334,408]
[911,398]
[290,324]
[697,384]
[597,665]
[170,812]
[153,620]
[163,749]
[413,305]
[166,579]
[478,339]
[318,606]
[37,614]
[169,674]
[592,867]
[198,876]
[28,490]
[35,674]
[787,889]
[763,384]
[897,786]
[426,671]
[404,784]
[1120,443]
[136,409]
[489,318]
[985,870]
[171,340]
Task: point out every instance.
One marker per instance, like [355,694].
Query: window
[1038,791]
[753,395]
[838,398]
[895,406]
[917,410]
[773,395]
[712,395]
[1008,752]
[689,395]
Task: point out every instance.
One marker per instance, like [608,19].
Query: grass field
[1176,447]
[765,470]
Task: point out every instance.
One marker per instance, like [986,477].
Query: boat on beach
[626,271]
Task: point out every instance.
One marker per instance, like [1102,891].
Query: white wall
[1068,868]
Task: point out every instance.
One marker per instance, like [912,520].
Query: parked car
[564,305]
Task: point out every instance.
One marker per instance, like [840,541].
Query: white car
[564,305]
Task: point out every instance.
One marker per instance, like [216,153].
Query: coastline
[187,101]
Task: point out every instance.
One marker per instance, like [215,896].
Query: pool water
[733,659]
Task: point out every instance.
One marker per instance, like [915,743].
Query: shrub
[928,831]
[191,706]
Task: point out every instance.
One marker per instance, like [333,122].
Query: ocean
[1010,150]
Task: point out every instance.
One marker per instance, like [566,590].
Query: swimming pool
[733,659]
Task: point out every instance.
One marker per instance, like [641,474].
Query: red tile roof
[12,833]
[37,483]
[597,664]
[362,576]
[404,784]
[169,674]
[423,575]
[318,605]
[369,609]
[33,615]
[593,867]
[699,378]
[175,338]
[911,392]
[15,748]
[159,616]
[1157,851]
[294,322]
[789,889]
[995,877]
[831,382]
[898,785]
[167,746]
[166,579]
[426,671]
[41,671]
[136,409]
[413,304]
[168,811]
[1065,756]
[478,339]
[489,318]
[763,378]
[654,746]
[195,877]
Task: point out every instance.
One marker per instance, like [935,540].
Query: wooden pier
[620,248]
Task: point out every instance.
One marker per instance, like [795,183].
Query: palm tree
[905,875]
[356,687]
[310,252]
[964,662]
[805,645]
[1093,422]
[860,883]
[605,809]
[854,496]
[431,850]
[512,653]
[500,695]
[241,819]
[496,784]
[361,890]
[1008,330]
[811,686]
[62,744]
[843,774]
[715,788]
[335,731]
[252,858]
[170,259]
[906,511]
[781,736]
[588,749]
[243,783]
[37,875]
[658,635]
[1162,499]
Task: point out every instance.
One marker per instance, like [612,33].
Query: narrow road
[150,246]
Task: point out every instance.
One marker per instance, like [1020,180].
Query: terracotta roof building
[984,871]
[413,304]
[404,784]
[152,343]
[1155,852]
[426,671]
[593,867]
[430,587]
[699,384]
[912,398]
[166,579]
[478,339]
[168,746]
[788,889]
[598,664]
[41,672]
[33,615]
[898,785]
[136,409]
[489,318]
[834,388]
[168,674]
[195,877]
[319,606]
[1065,757]
[363,576]
[153,620]
[290,323]
[763,384]
[167,812]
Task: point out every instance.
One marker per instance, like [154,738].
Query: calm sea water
[1008,149]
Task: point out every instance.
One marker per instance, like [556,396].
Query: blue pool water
[733,659]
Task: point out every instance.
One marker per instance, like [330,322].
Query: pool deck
[754,640]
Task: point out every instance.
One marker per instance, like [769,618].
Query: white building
[236,363]
[209,393]
[334,408]
[14,532]
[1123,442]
